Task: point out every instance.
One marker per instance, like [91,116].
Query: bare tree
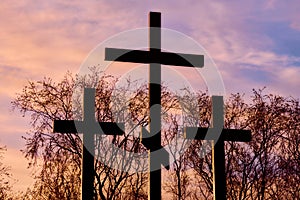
[5,179]
[197,109]
[60,154]
[256,170]
[177,179]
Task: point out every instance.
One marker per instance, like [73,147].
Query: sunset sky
[253,43]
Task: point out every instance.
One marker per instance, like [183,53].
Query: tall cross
[218,135]
[89,126]
[155,57]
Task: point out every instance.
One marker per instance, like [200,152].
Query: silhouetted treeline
[265,168]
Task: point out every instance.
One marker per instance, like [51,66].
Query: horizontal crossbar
[226,135]
[147,57]
[71,126]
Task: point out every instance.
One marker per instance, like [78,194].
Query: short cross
[218,135]
[89,126]
[155,57]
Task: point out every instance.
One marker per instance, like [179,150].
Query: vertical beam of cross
[217,135]
[88,144]
[155,106]
[89,126]
[218,154]
[155,57]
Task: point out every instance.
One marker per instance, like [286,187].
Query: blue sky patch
[258,76]
[286,40]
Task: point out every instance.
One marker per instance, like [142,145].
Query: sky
[254,44]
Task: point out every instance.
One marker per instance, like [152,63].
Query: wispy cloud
[245,36]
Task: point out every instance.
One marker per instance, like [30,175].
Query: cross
[218,135]
[89,126]
[155,58]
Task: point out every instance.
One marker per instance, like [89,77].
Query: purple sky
[253,43]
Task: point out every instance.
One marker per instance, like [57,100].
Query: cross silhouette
[218,135]
[155,58]
[89,126]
